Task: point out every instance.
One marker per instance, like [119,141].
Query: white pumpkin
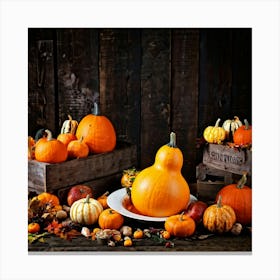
[85,211]
[230,126]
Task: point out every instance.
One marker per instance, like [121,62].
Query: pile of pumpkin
[233,131]
[160,190]
[94,134]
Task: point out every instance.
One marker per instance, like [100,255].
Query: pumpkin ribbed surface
[214,134]
[98,133]
[85,211]
[239,197]
[160,190]
[219,218]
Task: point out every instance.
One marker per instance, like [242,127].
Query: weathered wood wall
[151,82]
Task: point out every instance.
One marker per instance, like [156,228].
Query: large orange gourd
[160,190]
[97,131]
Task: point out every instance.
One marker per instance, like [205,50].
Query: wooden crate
[95,170]
[229,159]
[207,190]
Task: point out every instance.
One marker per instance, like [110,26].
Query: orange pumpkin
[239,197]
[77,149]
[219,218]
[48,198]
[33,227]
[97,131]
[243,135]
[103,200]
[66,138]
[31,148]
[160,190]
[50,150]
[110,219]
[180,225]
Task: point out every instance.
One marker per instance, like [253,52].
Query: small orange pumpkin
[66,138]
[33,227]
[50,150]
[180,225]
[48,198]
[243,135]
[239,197]
[98,132]
[219,218]
[103,200]
[110,219]
[77,149]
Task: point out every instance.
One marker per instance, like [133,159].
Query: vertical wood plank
[77,71]
[155,92]
[185,69]
[215,76]
[120,60]
[41,101]
[242,73]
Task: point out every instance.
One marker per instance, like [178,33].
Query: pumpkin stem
[242,181]
[246,124]
[217,122]
[219,202]
[49,134]
[96,110]
[87,199]
[172,142]
[70,118]
[181,218]
[104,194]
[81,139]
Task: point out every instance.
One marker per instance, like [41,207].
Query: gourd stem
[217,122]
[87,199]
[246,124]
[219,202]
[81,139]
[95,110]
[104,194]
[172,142]
[181,218]
[70,118]
[242,181]
[49,134]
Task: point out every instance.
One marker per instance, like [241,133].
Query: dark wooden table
[212,243]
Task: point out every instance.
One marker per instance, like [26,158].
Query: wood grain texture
[119,68]
[77,71]
[50,177]
[215,76]
[185,94]
[41,84]
[155,93]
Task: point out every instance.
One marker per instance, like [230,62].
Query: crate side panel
[95,166]
[229,159]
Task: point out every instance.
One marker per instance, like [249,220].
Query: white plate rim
[114,201]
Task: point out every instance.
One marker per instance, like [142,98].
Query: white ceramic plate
[115,199]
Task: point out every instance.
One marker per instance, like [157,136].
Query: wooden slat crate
[97,169]
[228,159]
[210,180]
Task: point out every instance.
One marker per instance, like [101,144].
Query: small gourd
[69,126]
[219,218]
[230,126]
[98,132]
[160,190]
[85,211]
[50,150]
[214,134]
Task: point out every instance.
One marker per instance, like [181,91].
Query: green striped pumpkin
[85,211]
